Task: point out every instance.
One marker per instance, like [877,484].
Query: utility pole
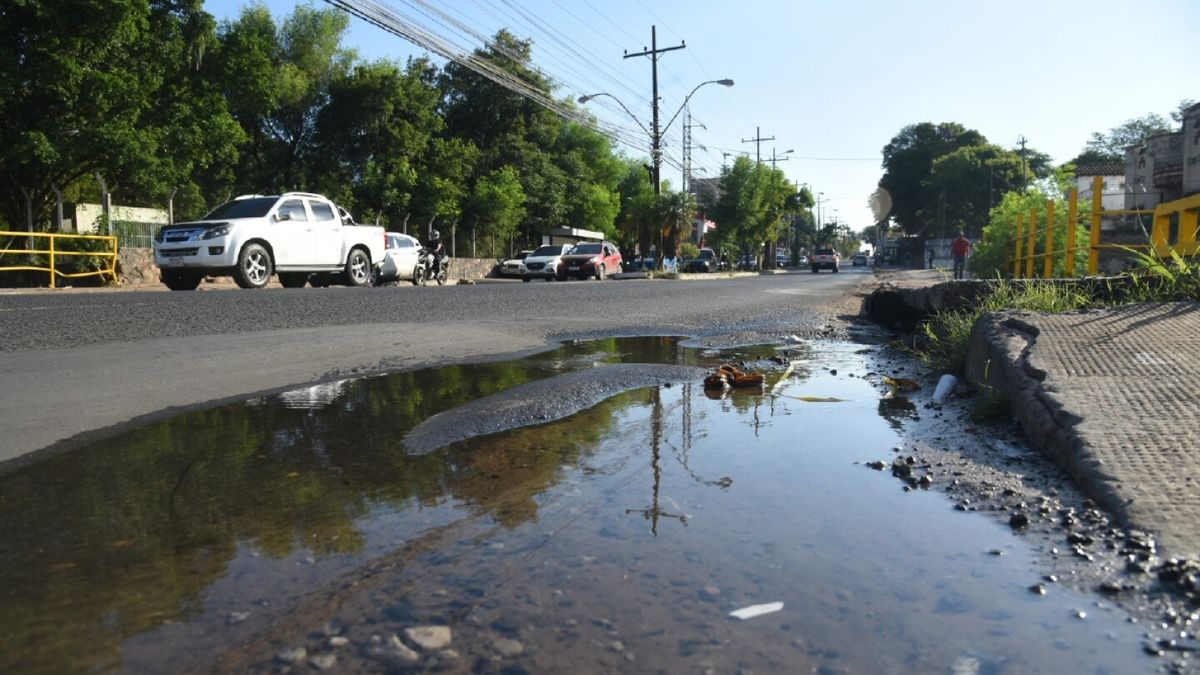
[687,146]
[655,137]
[1021,140]
[757,141]
[775,159]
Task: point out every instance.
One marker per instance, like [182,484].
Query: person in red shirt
[960,248]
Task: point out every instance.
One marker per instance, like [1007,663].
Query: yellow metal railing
[55,252]
[1186,211]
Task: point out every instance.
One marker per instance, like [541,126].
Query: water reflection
[119,537]
[629,511]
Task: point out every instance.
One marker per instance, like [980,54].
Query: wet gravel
[987,468]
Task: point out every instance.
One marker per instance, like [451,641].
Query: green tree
[277,80]
[1110,145]
[750,210]
[498,201]
[968,182]
[116,88]
[993,255]
[374,136]
[635,219]
[908,161]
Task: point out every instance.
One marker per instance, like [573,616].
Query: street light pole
[655,136]
[775,159]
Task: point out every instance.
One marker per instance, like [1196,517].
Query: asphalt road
[78,365]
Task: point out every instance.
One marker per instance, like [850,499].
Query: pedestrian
[930,257]
[960,248]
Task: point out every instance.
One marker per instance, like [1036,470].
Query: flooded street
[296,532]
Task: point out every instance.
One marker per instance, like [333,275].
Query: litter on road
[756,610]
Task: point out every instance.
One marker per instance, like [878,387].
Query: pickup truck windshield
[255,207]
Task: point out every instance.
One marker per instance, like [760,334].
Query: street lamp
[656,135]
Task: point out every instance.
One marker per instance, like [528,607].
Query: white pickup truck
[295,234]
[824,258]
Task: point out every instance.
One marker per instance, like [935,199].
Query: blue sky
[835,81]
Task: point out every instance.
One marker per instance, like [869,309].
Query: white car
[543,263]
[296,234]
[515,267]
[399,259]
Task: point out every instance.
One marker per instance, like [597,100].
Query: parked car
[514,267]
[858,259]
[590,259]
[295,234]
[638,264]
[748,262]
[543,263]
[399,259]
[802,260]
[705,261]
[824,258]
[782,259]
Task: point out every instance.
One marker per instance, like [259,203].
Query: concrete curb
[998,359]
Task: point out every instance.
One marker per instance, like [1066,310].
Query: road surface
[78,365]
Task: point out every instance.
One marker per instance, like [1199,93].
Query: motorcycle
[426,262]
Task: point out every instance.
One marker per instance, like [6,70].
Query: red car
[590,259]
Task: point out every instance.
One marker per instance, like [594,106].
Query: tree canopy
[941,178]
[1110,146]
[161,100]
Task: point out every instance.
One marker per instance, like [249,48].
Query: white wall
[89,216]
[1113,191]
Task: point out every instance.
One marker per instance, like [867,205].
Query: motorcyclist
[435,249]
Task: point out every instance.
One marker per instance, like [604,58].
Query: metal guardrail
[56,252]
[1184,212]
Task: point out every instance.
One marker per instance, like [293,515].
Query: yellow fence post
[1097,213]
[1031,243]
[1189,220]
[1048,265]
[1017,258]
[53,267]
[1160,231]
[1072,214]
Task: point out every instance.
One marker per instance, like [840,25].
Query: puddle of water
[618,538]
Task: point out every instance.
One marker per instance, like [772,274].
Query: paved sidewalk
[1112,396]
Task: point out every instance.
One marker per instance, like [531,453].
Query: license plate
[573,267]
[175,262]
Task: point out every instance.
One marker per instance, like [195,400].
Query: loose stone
[293,655]
[323,662]
[507,647]
[429,638]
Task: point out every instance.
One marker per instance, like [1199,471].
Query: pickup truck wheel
[254,267]
[181,281]
[358,268]
[293,279]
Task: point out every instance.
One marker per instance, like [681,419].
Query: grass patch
[943,339]
[992,406]
[945,336]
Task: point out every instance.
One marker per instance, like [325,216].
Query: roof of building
[1100,169]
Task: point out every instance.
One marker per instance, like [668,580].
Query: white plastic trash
[945,387]
[756,610]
